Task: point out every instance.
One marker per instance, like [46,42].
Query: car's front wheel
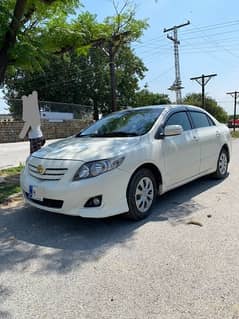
[222,165]
[141,194]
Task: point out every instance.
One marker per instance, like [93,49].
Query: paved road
[54,266]
[12,154]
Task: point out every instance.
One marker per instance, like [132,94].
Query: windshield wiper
[117,134]
[111,134]
[87,135]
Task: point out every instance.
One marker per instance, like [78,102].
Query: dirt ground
[180,263]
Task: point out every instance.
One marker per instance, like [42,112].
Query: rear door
[181,152]
[209,137]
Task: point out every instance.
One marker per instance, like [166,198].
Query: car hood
[87,148]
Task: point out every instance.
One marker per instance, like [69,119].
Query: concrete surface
[13,154]
[54,266]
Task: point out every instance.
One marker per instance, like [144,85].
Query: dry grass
[235,134]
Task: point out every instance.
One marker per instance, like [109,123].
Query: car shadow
[179,203]
[60,242]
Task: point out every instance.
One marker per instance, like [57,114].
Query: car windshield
[124,124]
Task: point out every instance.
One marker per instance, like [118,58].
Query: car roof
[169,106]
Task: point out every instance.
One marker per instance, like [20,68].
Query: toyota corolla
[122,162]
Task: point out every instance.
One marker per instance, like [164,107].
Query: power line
[219,45]
[198,29]
[215,57]
[211,27]
[229,41]
[213,34]
[159,75]
[194,30]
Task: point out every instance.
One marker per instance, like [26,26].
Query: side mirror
[173,130]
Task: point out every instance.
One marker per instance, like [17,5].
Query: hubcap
[223,163]
[144,194]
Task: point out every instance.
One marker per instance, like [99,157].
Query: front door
[182,152]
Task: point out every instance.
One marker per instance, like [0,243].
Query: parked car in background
[123,161]
[231,123]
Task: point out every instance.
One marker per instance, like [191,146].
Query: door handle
[196,138]
[218,133]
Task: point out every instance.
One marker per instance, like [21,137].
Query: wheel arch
[156,172]
[226,148]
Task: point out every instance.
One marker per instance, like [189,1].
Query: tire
[141,194]
[222,165]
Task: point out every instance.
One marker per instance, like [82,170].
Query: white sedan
[123,161]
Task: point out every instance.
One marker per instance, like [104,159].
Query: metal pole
[203,81]
[177,85]
[203,91]
[235,111]
[176,62]
[234,94]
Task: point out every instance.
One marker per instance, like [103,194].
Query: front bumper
[69,198]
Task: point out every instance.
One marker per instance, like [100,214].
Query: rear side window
[179,118]
[200,119]
[211,122]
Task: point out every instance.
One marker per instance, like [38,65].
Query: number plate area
[34,193]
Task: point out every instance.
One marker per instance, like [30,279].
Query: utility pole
[177,85]
[235,95]
[203,81]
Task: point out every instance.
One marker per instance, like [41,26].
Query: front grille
[50,174]
[52,203]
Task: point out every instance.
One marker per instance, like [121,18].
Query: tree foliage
[28,29]
[32,31]
[145,97]
[118,31]
[211,106]
[84,80]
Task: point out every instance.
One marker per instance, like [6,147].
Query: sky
[208,45]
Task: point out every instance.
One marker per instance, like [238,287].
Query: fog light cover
[94,201]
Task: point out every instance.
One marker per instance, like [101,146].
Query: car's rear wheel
[222,165]
[141,194]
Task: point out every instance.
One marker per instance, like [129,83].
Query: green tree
[211,106]
[31,30]
[129,70]
[119,30]
[84,79]
[145,97]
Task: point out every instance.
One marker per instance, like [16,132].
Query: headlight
[92,169]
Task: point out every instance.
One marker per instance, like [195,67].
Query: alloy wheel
[222,165]
[144,194]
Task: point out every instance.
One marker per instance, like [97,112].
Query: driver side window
[179,118]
